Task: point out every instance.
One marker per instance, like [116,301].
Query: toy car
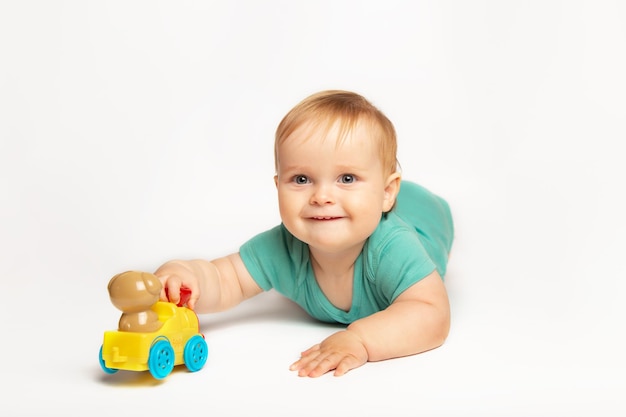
[177,341]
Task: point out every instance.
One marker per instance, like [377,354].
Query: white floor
[139,132]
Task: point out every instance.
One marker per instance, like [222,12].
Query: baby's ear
[392,188]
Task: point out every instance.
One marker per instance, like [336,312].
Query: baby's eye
[301,179]
[347,179]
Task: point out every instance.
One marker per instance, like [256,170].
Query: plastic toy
[152,335]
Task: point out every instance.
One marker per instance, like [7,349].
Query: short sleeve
[396,261]
[275,259]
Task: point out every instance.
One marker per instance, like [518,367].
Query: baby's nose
[322,195]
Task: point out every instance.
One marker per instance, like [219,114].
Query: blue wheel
[104,367]
[161,359]
[196,353]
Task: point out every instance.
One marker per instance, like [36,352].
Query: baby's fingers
[181,295]
[346,364]
[320,364]
[192,300]
[305,357]
[171,290]
[314,362]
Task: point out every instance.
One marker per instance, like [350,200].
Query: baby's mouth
[322,218]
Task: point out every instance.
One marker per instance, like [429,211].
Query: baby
[357,245]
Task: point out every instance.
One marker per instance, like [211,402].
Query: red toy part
[185,295]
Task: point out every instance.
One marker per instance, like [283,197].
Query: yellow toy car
[176,341]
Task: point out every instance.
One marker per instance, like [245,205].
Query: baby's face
[331,195]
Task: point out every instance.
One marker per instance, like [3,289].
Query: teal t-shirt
[409,243]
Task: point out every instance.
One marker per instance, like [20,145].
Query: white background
[133,132]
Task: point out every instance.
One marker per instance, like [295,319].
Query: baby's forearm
[218,285]
[207,279]
[404,328]
[214,285]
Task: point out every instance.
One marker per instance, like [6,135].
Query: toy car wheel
[161,359]
[196,353]
[104,367]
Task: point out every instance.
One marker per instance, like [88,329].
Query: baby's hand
[177,278]
[341,351]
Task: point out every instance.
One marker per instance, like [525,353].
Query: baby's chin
[335,247]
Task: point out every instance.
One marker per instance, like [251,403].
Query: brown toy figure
[134,293]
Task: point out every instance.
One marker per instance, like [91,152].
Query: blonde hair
[326,108]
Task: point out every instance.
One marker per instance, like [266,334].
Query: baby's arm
[417,321]
[215,285]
